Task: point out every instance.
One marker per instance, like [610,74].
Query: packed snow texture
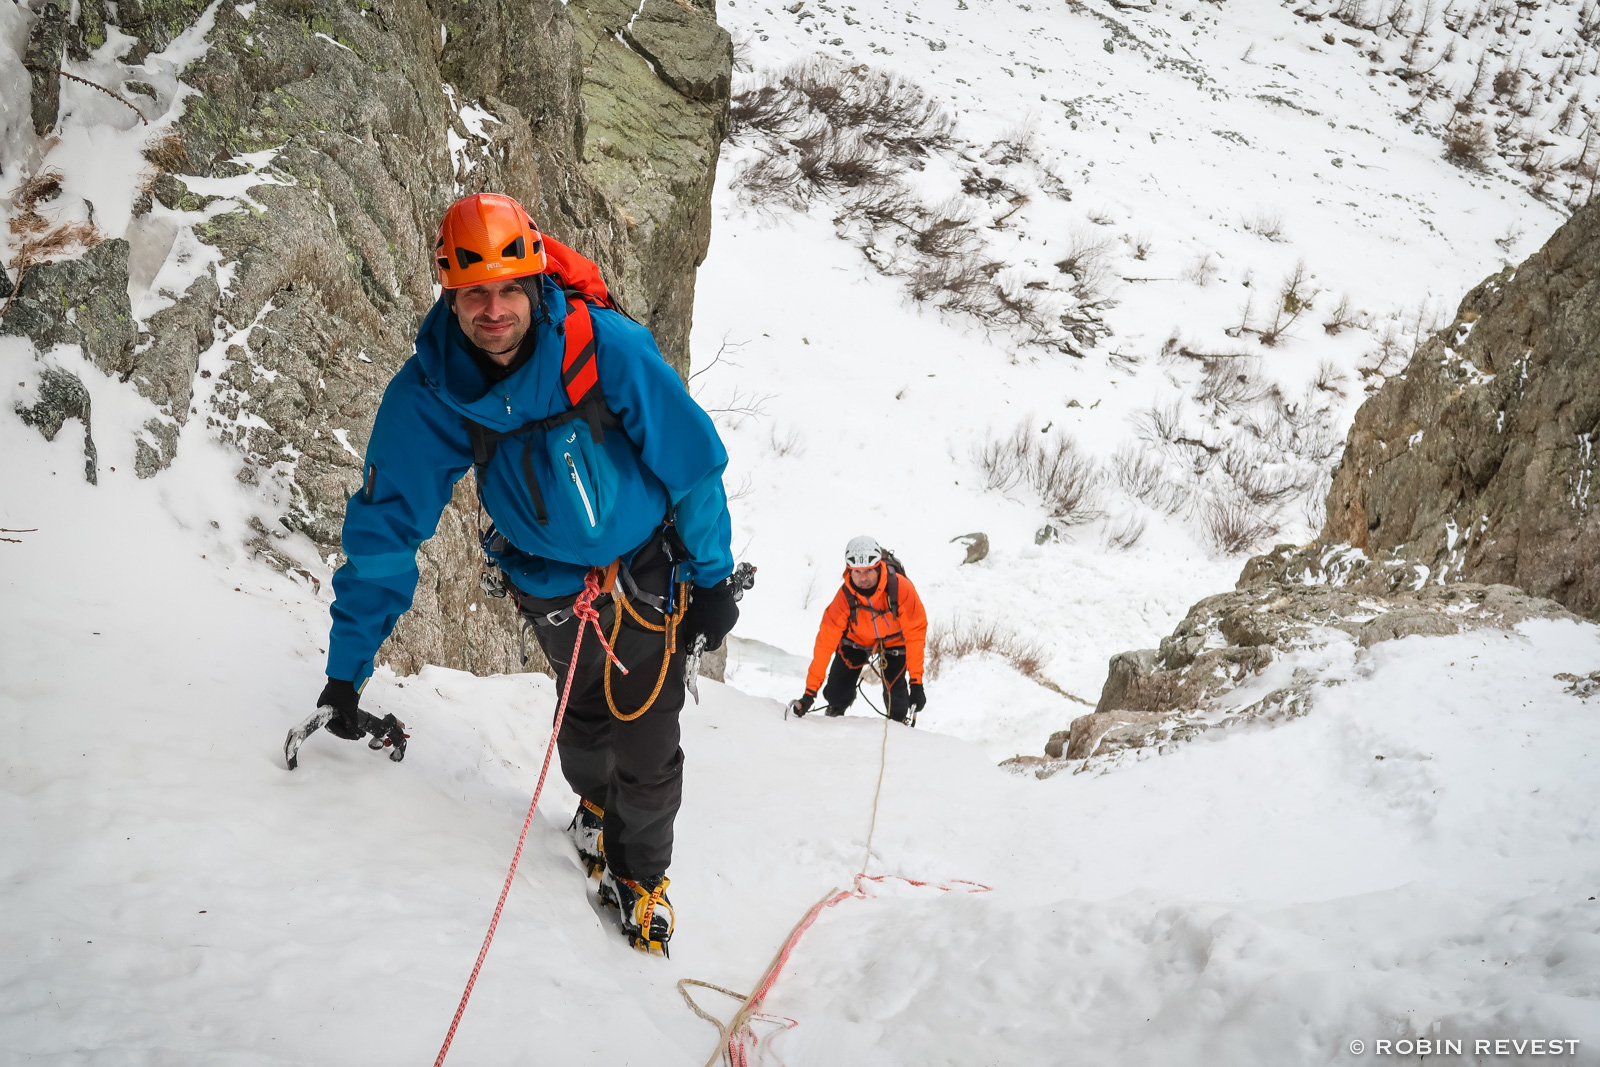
[1416,857]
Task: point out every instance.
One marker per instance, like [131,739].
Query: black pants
[839,691]
[634,770]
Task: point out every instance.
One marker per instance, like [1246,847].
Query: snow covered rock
[1477,464]
[1260,653]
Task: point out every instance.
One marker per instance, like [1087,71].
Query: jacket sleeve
[834,620]
[676,439]
[417,453]
[914,625]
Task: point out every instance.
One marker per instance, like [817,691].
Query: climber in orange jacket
[877,607]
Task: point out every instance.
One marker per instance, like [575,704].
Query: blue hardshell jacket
[604,501]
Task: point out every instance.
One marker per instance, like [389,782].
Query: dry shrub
[1231,383]
[1234,527]
[1065,479]
[168,152]
[1469,144]
[1268,224]
[1086,262]
[962,638]
[1202,270]
[1125,534]
[42,242]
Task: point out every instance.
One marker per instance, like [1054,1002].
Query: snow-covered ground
[1416,858]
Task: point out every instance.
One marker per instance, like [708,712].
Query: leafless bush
[770,180]
[1125,534]
[1268,224]
[1065,479]
[961,638]
[1342,317]
[1228,383]
[1294,300]
[1469,144]
[790,442]
[1330,379]
[1262,484]
[888,108]
[1085,261]
[1141,246]
[766,108]
[1160,422]
[1233,527]
[1203,270]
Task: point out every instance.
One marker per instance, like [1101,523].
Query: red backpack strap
[580,374]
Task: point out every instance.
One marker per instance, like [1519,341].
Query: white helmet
[862,551]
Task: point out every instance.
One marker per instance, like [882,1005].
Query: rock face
[1259,653]
[1464,499]
[1478,463]
[362,122]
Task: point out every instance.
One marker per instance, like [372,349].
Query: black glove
[919,699]
[345,702]
[712,612]
[803,705]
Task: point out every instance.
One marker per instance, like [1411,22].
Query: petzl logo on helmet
[487,237]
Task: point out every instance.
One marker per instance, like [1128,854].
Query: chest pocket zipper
[572,472]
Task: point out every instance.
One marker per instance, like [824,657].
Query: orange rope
[583,610]
[669,627]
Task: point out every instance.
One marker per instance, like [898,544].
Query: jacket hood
[441,352]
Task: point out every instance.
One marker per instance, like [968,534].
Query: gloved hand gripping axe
[743,578]
[387,732]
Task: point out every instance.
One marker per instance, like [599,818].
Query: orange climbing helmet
[487,237]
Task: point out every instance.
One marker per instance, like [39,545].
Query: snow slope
[173,895]
[1206,150]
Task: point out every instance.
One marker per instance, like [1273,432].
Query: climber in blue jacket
[589,453]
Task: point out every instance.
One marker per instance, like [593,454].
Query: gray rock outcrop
[352,128]
[1478,462]
[1464,499]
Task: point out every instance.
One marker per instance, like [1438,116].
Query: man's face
[864,578]
[495,316]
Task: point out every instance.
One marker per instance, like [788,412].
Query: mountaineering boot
[586,835]
[644,912]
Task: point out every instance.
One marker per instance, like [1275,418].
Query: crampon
[643,910]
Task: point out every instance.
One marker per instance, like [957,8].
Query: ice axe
[743,577]
[387,732]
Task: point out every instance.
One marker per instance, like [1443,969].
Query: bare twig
[93,85]
[726,344]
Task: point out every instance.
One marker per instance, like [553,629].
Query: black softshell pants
[633,770]
[839,691]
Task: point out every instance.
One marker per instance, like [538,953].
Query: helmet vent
[444,264]
[466,257]
[515,250]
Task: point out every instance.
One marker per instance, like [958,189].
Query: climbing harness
[736,1040]
[583,609]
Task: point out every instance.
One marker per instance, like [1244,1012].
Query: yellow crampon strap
[669,627]
[644,913]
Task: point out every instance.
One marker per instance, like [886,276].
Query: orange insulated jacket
[865,619]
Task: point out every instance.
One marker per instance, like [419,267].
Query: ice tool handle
[743,578]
